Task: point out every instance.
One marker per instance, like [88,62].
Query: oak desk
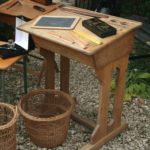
[105,58]
[10,10]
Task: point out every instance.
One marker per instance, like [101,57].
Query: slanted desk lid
[25,8]
[123,26]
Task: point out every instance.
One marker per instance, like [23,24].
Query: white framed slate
[56,22]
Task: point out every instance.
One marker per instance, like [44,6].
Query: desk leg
[64,77]
[50,71]
[104,131]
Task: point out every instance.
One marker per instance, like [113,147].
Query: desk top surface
[24,8]
[65,37]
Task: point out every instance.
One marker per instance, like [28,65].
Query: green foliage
[138,76]
[138,85]
[2,1]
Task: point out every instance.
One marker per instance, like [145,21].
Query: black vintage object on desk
[44,2]
[39,8]
[6,52]
[100,28]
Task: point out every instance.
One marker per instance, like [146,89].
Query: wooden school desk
[13,8]
[112,54]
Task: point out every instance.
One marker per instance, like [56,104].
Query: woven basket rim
[13,119]
[54,118]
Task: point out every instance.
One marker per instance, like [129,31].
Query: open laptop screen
[21,38]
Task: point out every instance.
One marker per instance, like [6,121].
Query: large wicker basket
[46,115]
[8,116]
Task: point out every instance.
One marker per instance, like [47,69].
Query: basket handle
[16,111]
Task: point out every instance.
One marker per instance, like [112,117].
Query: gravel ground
[83,85]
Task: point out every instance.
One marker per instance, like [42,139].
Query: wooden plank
[83,120]
[105,139]
[84,12]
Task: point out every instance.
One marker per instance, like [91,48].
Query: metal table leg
[2,82]
[25,74]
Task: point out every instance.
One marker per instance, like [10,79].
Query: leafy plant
[138,80]
[137,85]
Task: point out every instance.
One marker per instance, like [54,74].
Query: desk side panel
[116,50]
[63,50]
[25,8]
[10,20]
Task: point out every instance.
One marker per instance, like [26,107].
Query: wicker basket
[8,117]
[46,115]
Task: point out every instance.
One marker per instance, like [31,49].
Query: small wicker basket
[46,115]
[8,117]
